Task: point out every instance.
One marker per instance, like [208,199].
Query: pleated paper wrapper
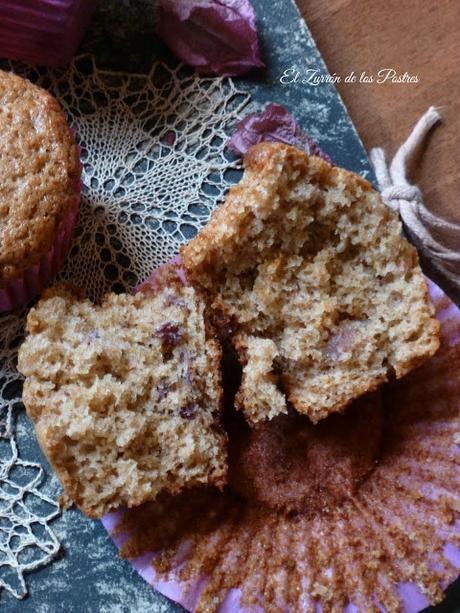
[18,291]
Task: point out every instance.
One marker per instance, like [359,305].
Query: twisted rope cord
[407,199]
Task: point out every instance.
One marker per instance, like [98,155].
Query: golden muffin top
[39,173]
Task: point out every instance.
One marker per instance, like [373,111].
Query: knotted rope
[407,199]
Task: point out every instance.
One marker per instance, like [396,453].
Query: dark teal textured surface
[88,577]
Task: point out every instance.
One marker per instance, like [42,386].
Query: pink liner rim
[20,290]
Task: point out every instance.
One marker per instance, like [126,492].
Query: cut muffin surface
[126,396]
[323,297]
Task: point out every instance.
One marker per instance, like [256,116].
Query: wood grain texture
[416,36]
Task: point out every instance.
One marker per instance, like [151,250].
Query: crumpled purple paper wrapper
[217,37]
[43,31]
[274,124]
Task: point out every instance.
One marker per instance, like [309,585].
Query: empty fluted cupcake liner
[19,291]
[43,31]
[392,546]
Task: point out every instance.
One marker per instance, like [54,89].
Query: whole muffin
[39,189]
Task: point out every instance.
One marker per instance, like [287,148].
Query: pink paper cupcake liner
[19,291]
[43,31]
[409,504]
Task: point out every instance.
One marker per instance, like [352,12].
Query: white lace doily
[154,166]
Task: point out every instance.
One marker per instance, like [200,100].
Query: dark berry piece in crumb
[189,411]
[170,333]
[162,390]
[178,302]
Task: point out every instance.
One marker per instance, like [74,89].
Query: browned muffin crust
[39,173]
[309,269]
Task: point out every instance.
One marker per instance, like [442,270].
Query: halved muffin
[125,397]
[322,295]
